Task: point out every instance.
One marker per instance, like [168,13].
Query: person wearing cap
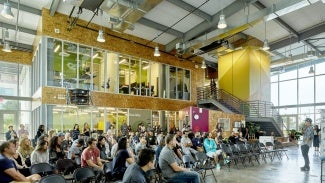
[307,140]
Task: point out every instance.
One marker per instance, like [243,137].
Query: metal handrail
[255,108]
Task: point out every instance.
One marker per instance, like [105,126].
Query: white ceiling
[175,16]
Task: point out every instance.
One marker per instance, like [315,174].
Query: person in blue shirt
[210,147]
[8,169]
[136,173]
[306,143]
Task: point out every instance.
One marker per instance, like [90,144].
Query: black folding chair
[43,169]
[84,175]
[66,168]
[55,178]
[229,156]
[278,146]
[204,165]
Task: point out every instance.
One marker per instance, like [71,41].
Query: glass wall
[15,96]
[72,65]
[299,93]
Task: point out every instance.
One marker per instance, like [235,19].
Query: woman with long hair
[55,150]
[101,145]
[122,156]
[25,149]
[86,129]
[75,132]
[40,153]
[316,138]
[18,160]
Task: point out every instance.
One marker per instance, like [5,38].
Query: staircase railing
[249,109]
[222,96]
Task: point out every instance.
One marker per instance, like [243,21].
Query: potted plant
[252,128]
[294,135]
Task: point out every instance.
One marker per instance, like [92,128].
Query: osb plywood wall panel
[116,42]
[52,95]
[215,115]
[16,56]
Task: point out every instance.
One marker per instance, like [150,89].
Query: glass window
[303,70]
[24,81]
[320,68]
[70,65]
[124,75]
[187,85]
[112,76]
[288,98]
[288,75]
[306,90]
[275,77]
[274,94]
[320,88]
[54,63]
[154,78]
[85,67]
[8,79]
[172,82]
[288,111]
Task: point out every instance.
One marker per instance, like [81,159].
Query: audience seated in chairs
[8,170]
[186,144]
[25,150]
[55,150]
[141,145]
[101,145]
[137,171]
[169,167]
[197,142]
[122,156]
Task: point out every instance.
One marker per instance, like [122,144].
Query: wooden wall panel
[17,56]
[52,95]
[215,115]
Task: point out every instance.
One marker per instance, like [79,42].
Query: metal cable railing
[252,109]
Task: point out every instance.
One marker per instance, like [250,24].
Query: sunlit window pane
[274,94]
[320,88]
[288,92]
[306,90]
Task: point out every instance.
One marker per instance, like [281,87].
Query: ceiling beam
[303,35]
[191,8]
[54,7]
[286,26]
[155,25]
[28,9]
[203,27]
[21,46]
[21,29]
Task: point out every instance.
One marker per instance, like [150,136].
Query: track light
[203,66]
[222,22]
[156,53]
[100,37]
[6,11]
[6,47]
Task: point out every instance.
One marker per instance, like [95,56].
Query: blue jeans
[190,177]
[304,151]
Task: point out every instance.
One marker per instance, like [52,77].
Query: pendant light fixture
[6,11]
[6,47]
[203,66]
[156,53]
[100,37]
[266,44]
[311,70]
[222,21]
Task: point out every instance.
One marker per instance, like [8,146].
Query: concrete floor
[278,171]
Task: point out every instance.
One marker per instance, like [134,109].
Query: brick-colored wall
[53,95]
[17,56]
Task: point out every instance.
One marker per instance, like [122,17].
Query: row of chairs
[247,152]
[69,172]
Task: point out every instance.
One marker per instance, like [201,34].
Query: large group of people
[132,153]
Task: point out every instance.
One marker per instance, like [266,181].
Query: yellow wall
[245,74]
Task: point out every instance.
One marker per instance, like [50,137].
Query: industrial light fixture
[311,70]
[266,44]
[6,47]
[203,66]
[6,11]
[100,37]
[222,22]
[156,53]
